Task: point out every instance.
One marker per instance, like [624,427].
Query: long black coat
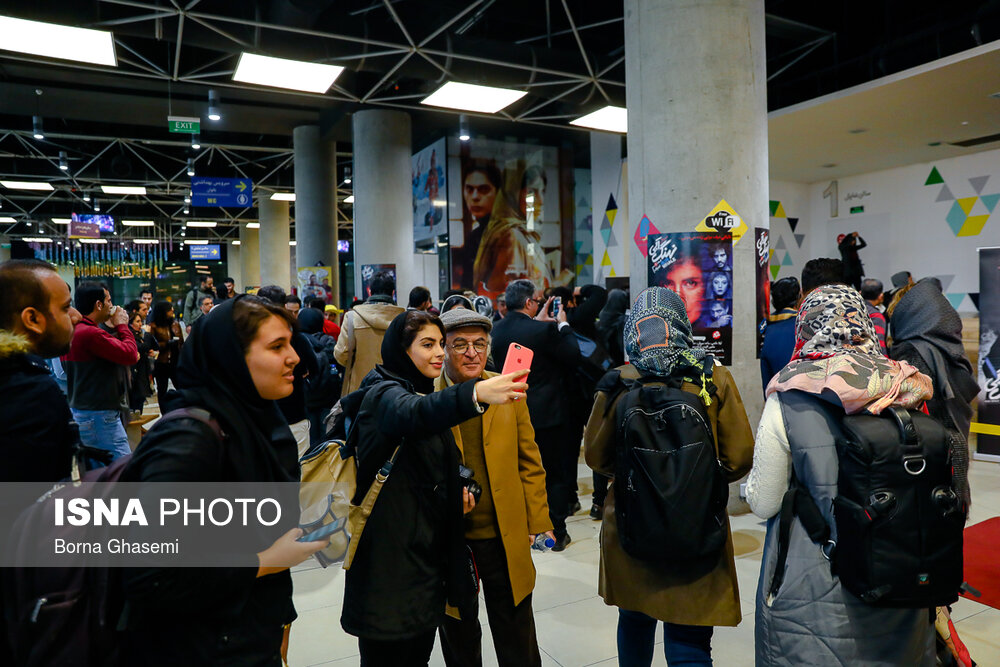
[556,356]
[413,543]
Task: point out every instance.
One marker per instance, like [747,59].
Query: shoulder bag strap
[358,514]
[797,502]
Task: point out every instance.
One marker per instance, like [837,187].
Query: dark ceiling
[569,56]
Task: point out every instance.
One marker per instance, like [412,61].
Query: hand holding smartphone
[518,359]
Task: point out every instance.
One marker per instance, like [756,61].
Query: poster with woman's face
[698,267]
[430,192]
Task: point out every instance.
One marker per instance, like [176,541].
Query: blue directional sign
[209,191]
[210,251]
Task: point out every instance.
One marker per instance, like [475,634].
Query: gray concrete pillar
[316,202]
[249,257]
[234,265]
[274,237]
[697,133]
[383,199]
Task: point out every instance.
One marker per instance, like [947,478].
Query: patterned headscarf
[658,339]
[836,350]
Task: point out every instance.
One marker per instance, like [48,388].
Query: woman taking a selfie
[411,558]
[237,362]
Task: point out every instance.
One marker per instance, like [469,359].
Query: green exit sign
[184,124]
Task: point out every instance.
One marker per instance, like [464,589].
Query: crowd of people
[484,462]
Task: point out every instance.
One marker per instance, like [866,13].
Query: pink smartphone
[518,359]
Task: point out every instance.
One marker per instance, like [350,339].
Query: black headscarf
[398,362]
[611,324]
[213,374]
[311,320]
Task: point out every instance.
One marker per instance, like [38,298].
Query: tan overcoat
[660,591]
[517,484]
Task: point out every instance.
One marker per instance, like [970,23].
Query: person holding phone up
[556,355]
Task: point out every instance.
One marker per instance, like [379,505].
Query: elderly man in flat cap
[499,447]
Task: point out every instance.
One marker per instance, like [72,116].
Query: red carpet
[982,561]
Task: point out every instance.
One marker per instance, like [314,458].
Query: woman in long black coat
[411,559]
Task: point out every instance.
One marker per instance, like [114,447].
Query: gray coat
[812,620]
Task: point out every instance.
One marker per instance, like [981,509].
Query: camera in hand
[472,485]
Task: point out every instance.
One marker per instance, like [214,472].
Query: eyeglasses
[540,302]
[462,346]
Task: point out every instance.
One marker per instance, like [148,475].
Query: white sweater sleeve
[772,462]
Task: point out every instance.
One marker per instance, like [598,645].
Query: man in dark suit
[556,355]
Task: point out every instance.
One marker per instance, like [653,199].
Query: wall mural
[583,228]
[784,239]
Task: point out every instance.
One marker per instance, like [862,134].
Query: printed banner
[988,427]
[315,281]
[698,266]
[430,194]
[368,272]
[761,246]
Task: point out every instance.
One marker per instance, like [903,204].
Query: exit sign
[185,124]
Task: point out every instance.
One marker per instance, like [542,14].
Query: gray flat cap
[463,317]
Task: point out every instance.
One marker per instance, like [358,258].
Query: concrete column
[274,237]
[316,202]
[5,249]
[250,257]
[383,199]
[697,133]
[234,265]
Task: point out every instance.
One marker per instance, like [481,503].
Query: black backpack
[899,521]
[670,489]
[322,391]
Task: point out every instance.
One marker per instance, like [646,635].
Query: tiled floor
[575,627]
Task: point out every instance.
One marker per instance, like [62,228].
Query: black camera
[472,485]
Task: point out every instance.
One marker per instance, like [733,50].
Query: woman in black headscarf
[927,332]
[237,362]
[411,558]
[611,325]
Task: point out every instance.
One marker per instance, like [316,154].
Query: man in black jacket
[556,355]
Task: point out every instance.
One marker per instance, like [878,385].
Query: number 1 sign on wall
[831,192]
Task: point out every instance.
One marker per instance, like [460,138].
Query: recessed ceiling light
[829,165]
[123,189]
[237,242]
[858,130]
[196,242]
[137,223]
[349,200]
[470,97]
[934,143]
[202,223]
[36,240]
[283,196]
[146,241]
[284,73]
[26,185]
[608,119]
[7,219]
[61,221]
[57,41]
[97,241]
[965,122]
[291,243]
[253,225]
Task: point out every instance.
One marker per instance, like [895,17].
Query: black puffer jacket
[411,557]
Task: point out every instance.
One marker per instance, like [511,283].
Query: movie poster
[989,351]
[762,246]
[699,267]
[368,272]
[511,224]
[315,281]
[430,194]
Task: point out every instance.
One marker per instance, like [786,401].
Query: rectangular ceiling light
[136,223]
[146,241]
[201,223]
[98,241]
[283,196]
[196,242]
[608,119]
[470,97]
[253,225]
[7,218]
[291,243]
[61,221]
[123,189]
[26,185]
[236,242]
[36,240]
[57,41]
[349,200]
[284,73]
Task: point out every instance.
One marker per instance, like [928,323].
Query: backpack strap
[798,503]
[199,415]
